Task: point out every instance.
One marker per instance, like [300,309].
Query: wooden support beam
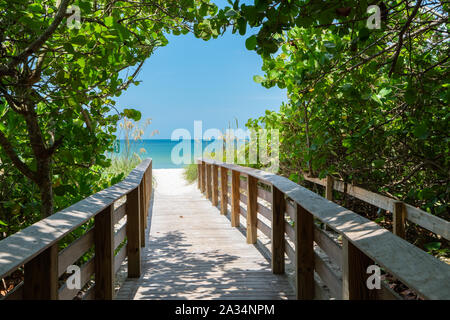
[235,196]
[354,273]
[278,210]
[329,188]
[223,191]
[208,182]
[203,170]
[399,219]
[252,207]
[304,254]
[133,234]
[199,175]
[215,185]
[41,276]
[142,213]
[104,254]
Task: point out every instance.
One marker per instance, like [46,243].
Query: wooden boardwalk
[192,252]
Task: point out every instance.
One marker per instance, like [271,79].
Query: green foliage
[356,109]
[190,172]
[57,93]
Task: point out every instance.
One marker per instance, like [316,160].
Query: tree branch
[9,150]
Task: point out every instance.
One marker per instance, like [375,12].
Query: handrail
[37,240]
[422,218]
[363,239]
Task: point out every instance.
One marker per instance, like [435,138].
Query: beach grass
[190,172]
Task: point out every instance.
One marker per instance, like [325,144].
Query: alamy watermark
[74,20]
[237,146]
[374,21]
[374,280]
[74,280]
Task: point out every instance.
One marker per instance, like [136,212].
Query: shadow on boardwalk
[193,253]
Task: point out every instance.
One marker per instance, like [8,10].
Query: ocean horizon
[160,150]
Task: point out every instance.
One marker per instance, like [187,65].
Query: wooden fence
[35,248]
[401,212]
[290,211]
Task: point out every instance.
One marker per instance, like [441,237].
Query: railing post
[304,254]
[328,193]
[145,182]
[354,273]
[203,182]
[278,246]
[329,188]
[104,254]
[41,276]
[133,234]
[252,202]
[399,218]
[208,182]
[142,212]
[235,198]
[199,175]
[215,185]
[223,190]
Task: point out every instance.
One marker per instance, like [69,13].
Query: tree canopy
[59,78]
[367,105]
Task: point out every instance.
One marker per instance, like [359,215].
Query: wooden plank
[290,231]
[41,276]
[243,184]
[399,216]
[104,254]
[243,198]
[354,273]
[74,251]
[290,252]
[215,185]
[278,210]
[424,219]
[133,237]
[328,245]
[290,209]
[203,168]
[329,188]
[265,212]
[223,190]
[428,221]
[90,294]
[208,182]
[319,292]
[252,202]
[265,229]
[332,281]
[86,271]
[142,213]
[199,176]
[387,293]
[243,211]
[235,207]
[398,257]
[120,235]
[304,254]
[21,247]
[15,294]
[264,194]
[119,213]
[119,258]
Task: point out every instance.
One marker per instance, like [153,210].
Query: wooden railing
[401,212]
[285,212]
[119,217]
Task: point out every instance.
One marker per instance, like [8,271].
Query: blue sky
[191,79]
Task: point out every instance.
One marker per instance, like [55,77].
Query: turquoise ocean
[160,150]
